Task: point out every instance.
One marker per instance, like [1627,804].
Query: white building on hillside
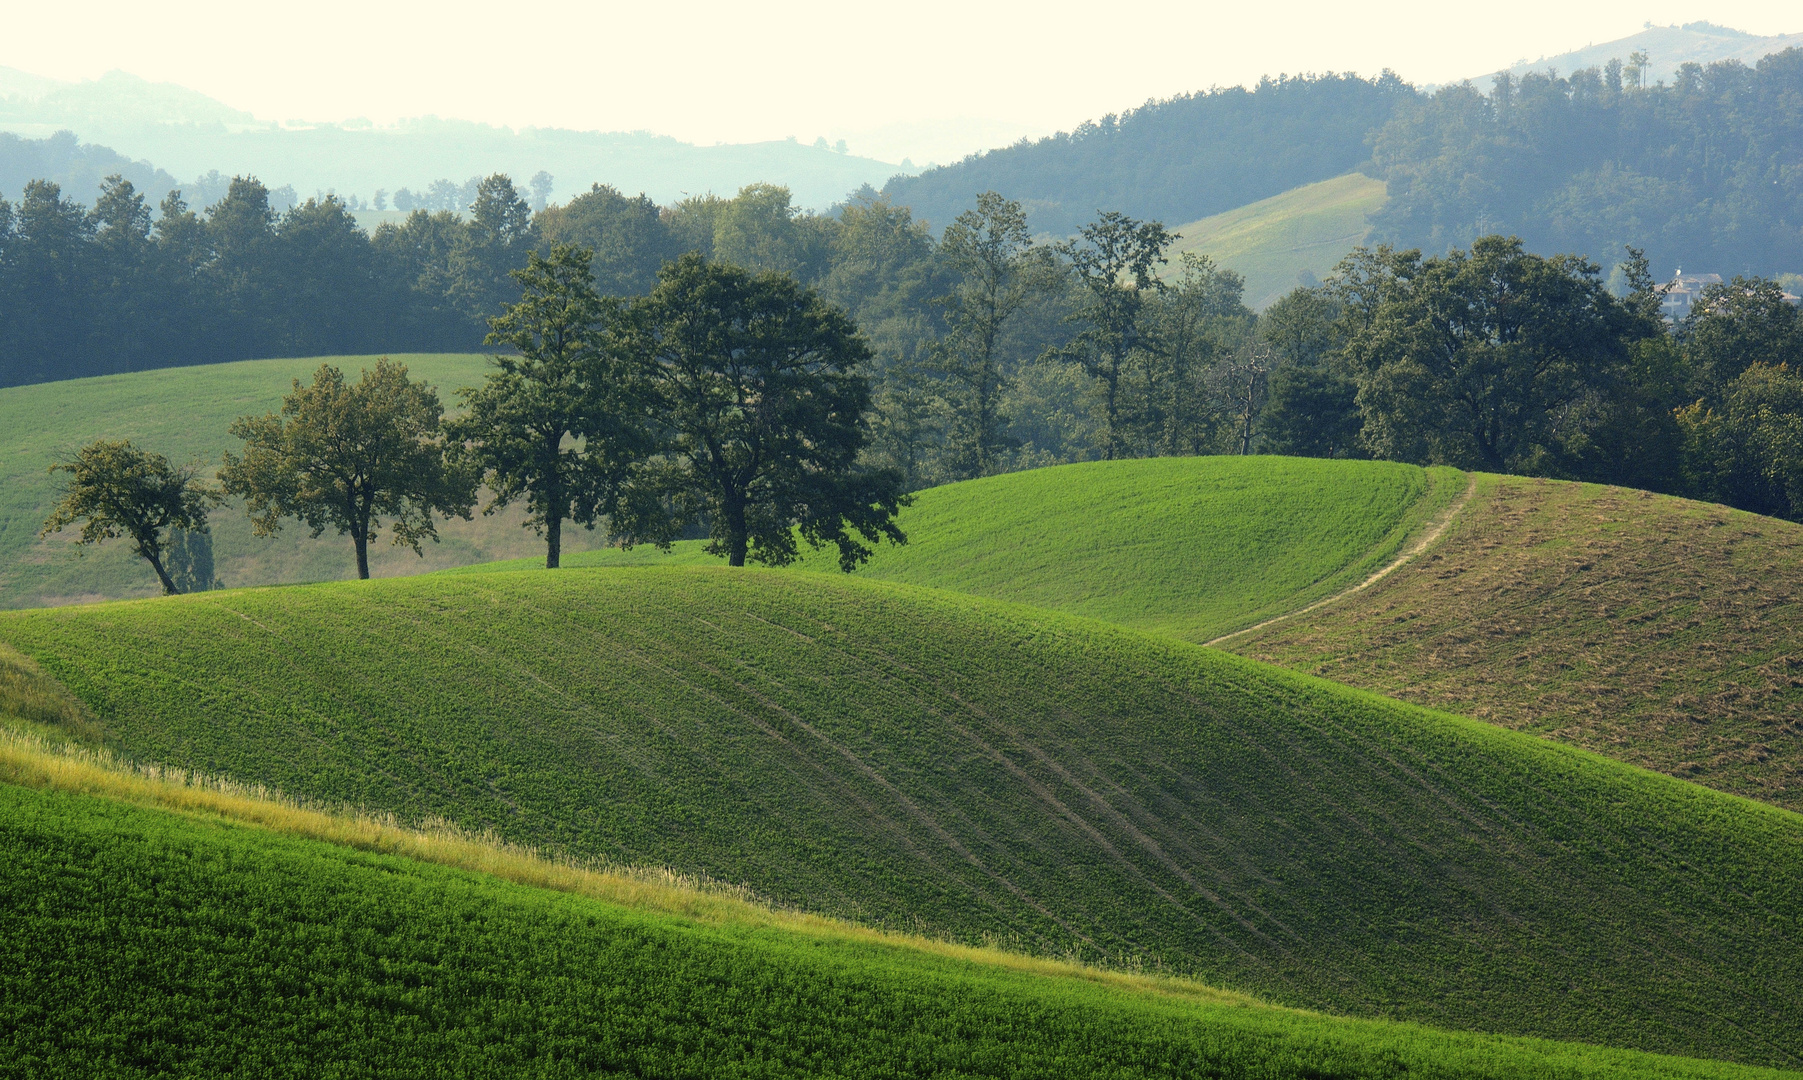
[1685,290]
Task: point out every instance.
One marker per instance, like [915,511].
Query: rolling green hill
[183,413]
[1189,547]
[1659,631]
[923,760]
[144,942]
[1274,241]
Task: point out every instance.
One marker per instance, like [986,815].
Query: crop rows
[144,943]
[918,759]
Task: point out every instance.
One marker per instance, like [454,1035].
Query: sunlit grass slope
[1273,241]
[183,413]
[1190,547]
[921,759]
[144,942]
[1660,631]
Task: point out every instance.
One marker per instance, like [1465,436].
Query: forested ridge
[1174,160]
[1706,173]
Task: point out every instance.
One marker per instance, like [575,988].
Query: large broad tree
[991,255]
[560,423]
[758,385]
[117,490]
[349,457]
[1487,358]
[1115,260]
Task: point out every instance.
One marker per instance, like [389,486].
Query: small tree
[757,381]
[118,490]
[560,424]
[998,272]
[348,456]
[1114,261]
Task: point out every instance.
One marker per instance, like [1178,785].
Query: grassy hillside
[1189,547]
[923,760]
[147,942]
[1657,630]
[183,413]
[1274,241]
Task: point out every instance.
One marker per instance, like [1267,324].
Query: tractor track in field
[1435,528]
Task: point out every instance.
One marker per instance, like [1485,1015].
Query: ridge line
[1435,528]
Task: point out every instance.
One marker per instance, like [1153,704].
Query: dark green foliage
[346,457]
[1114,261]
[1175,160]
[899,755]
[558,423]
[117,490]
[995,271]
[627,235]
[1693,172]
[140,943]
[1735,325]
[756,384]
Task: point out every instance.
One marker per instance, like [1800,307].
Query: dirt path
[1434,529]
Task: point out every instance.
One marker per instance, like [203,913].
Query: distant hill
[1667,48]
[76,167]
[189,134]
[1287,240]
[1177,160]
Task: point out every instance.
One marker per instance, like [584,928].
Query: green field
[142,942]
[1188,547]
[1272,242]
[922,760]
[183,413]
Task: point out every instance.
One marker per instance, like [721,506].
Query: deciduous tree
[759,387]
[117,490]
[350,457]
[560,423]
[997,273]
[1115,260]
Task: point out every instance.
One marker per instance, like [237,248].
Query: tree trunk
[554,504]
[162,575]
[361,537]
[736,540]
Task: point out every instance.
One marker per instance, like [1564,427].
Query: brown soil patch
[1658,631]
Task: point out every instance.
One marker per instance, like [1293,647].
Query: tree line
[122,287]
[723,398]
[1697,173]
[740,369]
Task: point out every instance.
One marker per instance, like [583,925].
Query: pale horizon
[951,76]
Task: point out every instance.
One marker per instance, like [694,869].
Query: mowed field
[149,942]
[1188,547]
[927,761]
[183,413]
[1274,241]
[1660,631]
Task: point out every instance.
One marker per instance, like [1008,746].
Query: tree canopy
[759,388]
[118,490]
[353,457]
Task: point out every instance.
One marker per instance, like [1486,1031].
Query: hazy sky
[708,72]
